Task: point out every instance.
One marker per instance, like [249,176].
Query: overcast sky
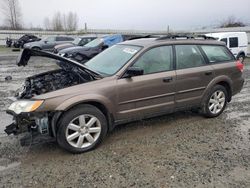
[139,14]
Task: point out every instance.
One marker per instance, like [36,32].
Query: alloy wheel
[83,131]
[217,102]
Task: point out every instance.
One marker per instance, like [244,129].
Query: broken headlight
[25,106]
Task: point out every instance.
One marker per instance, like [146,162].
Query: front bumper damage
[36,124]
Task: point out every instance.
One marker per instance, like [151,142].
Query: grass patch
[4,49]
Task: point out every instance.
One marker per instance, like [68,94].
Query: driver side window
[155,60]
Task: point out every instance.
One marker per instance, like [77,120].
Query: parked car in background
[88,51]
[237,42]
[48,43]
[25,39]
[137,79]
[8,42]
[79,41]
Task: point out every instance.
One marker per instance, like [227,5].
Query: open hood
[69,74]
[25,55]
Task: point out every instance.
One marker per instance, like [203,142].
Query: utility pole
[85,27]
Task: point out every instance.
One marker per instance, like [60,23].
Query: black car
[9,42]
[25,39]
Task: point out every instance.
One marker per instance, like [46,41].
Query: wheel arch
[241,53]
[36,47]
[228,87]
[96,103]
[223,81]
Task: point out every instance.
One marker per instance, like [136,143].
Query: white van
[236,41]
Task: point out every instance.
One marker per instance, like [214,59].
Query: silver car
[48,43]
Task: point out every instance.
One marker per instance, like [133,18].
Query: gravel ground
[177,150]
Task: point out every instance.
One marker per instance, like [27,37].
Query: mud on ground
[182,149]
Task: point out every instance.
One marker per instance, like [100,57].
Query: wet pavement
[182,149]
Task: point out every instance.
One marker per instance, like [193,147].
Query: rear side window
[217,53]
[188,56]
[64,39]
[155,60]
[60,39]
[233,42]
[69,39]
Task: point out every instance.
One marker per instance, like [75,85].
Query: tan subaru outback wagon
[79,104]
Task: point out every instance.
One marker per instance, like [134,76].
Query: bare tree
[72,21]
[231,21]
[12,12]
[47,24]
[57,23]
[60,22]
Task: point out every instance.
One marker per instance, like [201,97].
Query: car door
[150,93]
[193,74]
[48,43]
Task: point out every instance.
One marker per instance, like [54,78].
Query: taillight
[240,65]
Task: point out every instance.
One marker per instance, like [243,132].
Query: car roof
[147,42]
[86,37]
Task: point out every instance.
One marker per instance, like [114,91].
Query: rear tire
[215,102]
[241,58]
[82,129]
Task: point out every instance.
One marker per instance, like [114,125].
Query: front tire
[215,102]
[82,129]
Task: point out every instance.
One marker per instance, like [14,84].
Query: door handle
[208,73]
[168,79]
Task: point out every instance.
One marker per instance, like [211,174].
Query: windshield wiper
[93,74]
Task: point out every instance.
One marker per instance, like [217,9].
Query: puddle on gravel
[245,126]
[237,115]
[10,166]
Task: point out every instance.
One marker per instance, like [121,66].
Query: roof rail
[141,37]
[186,36]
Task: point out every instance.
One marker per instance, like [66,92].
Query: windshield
[113,59]
[94,43]
[76,41]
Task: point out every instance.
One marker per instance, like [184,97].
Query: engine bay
[52,80]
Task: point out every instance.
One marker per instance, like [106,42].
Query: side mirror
[133,71]
[45,41]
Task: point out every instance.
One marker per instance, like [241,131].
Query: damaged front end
[35,123]
[34,127]
[24,109]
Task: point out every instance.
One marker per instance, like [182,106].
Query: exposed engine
[51,81]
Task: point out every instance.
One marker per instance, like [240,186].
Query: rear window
[233,42]
[217,54]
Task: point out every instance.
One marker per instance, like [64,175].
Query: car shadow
[158,122]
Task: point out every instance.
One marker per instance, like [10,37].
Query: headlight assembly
[25,106]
